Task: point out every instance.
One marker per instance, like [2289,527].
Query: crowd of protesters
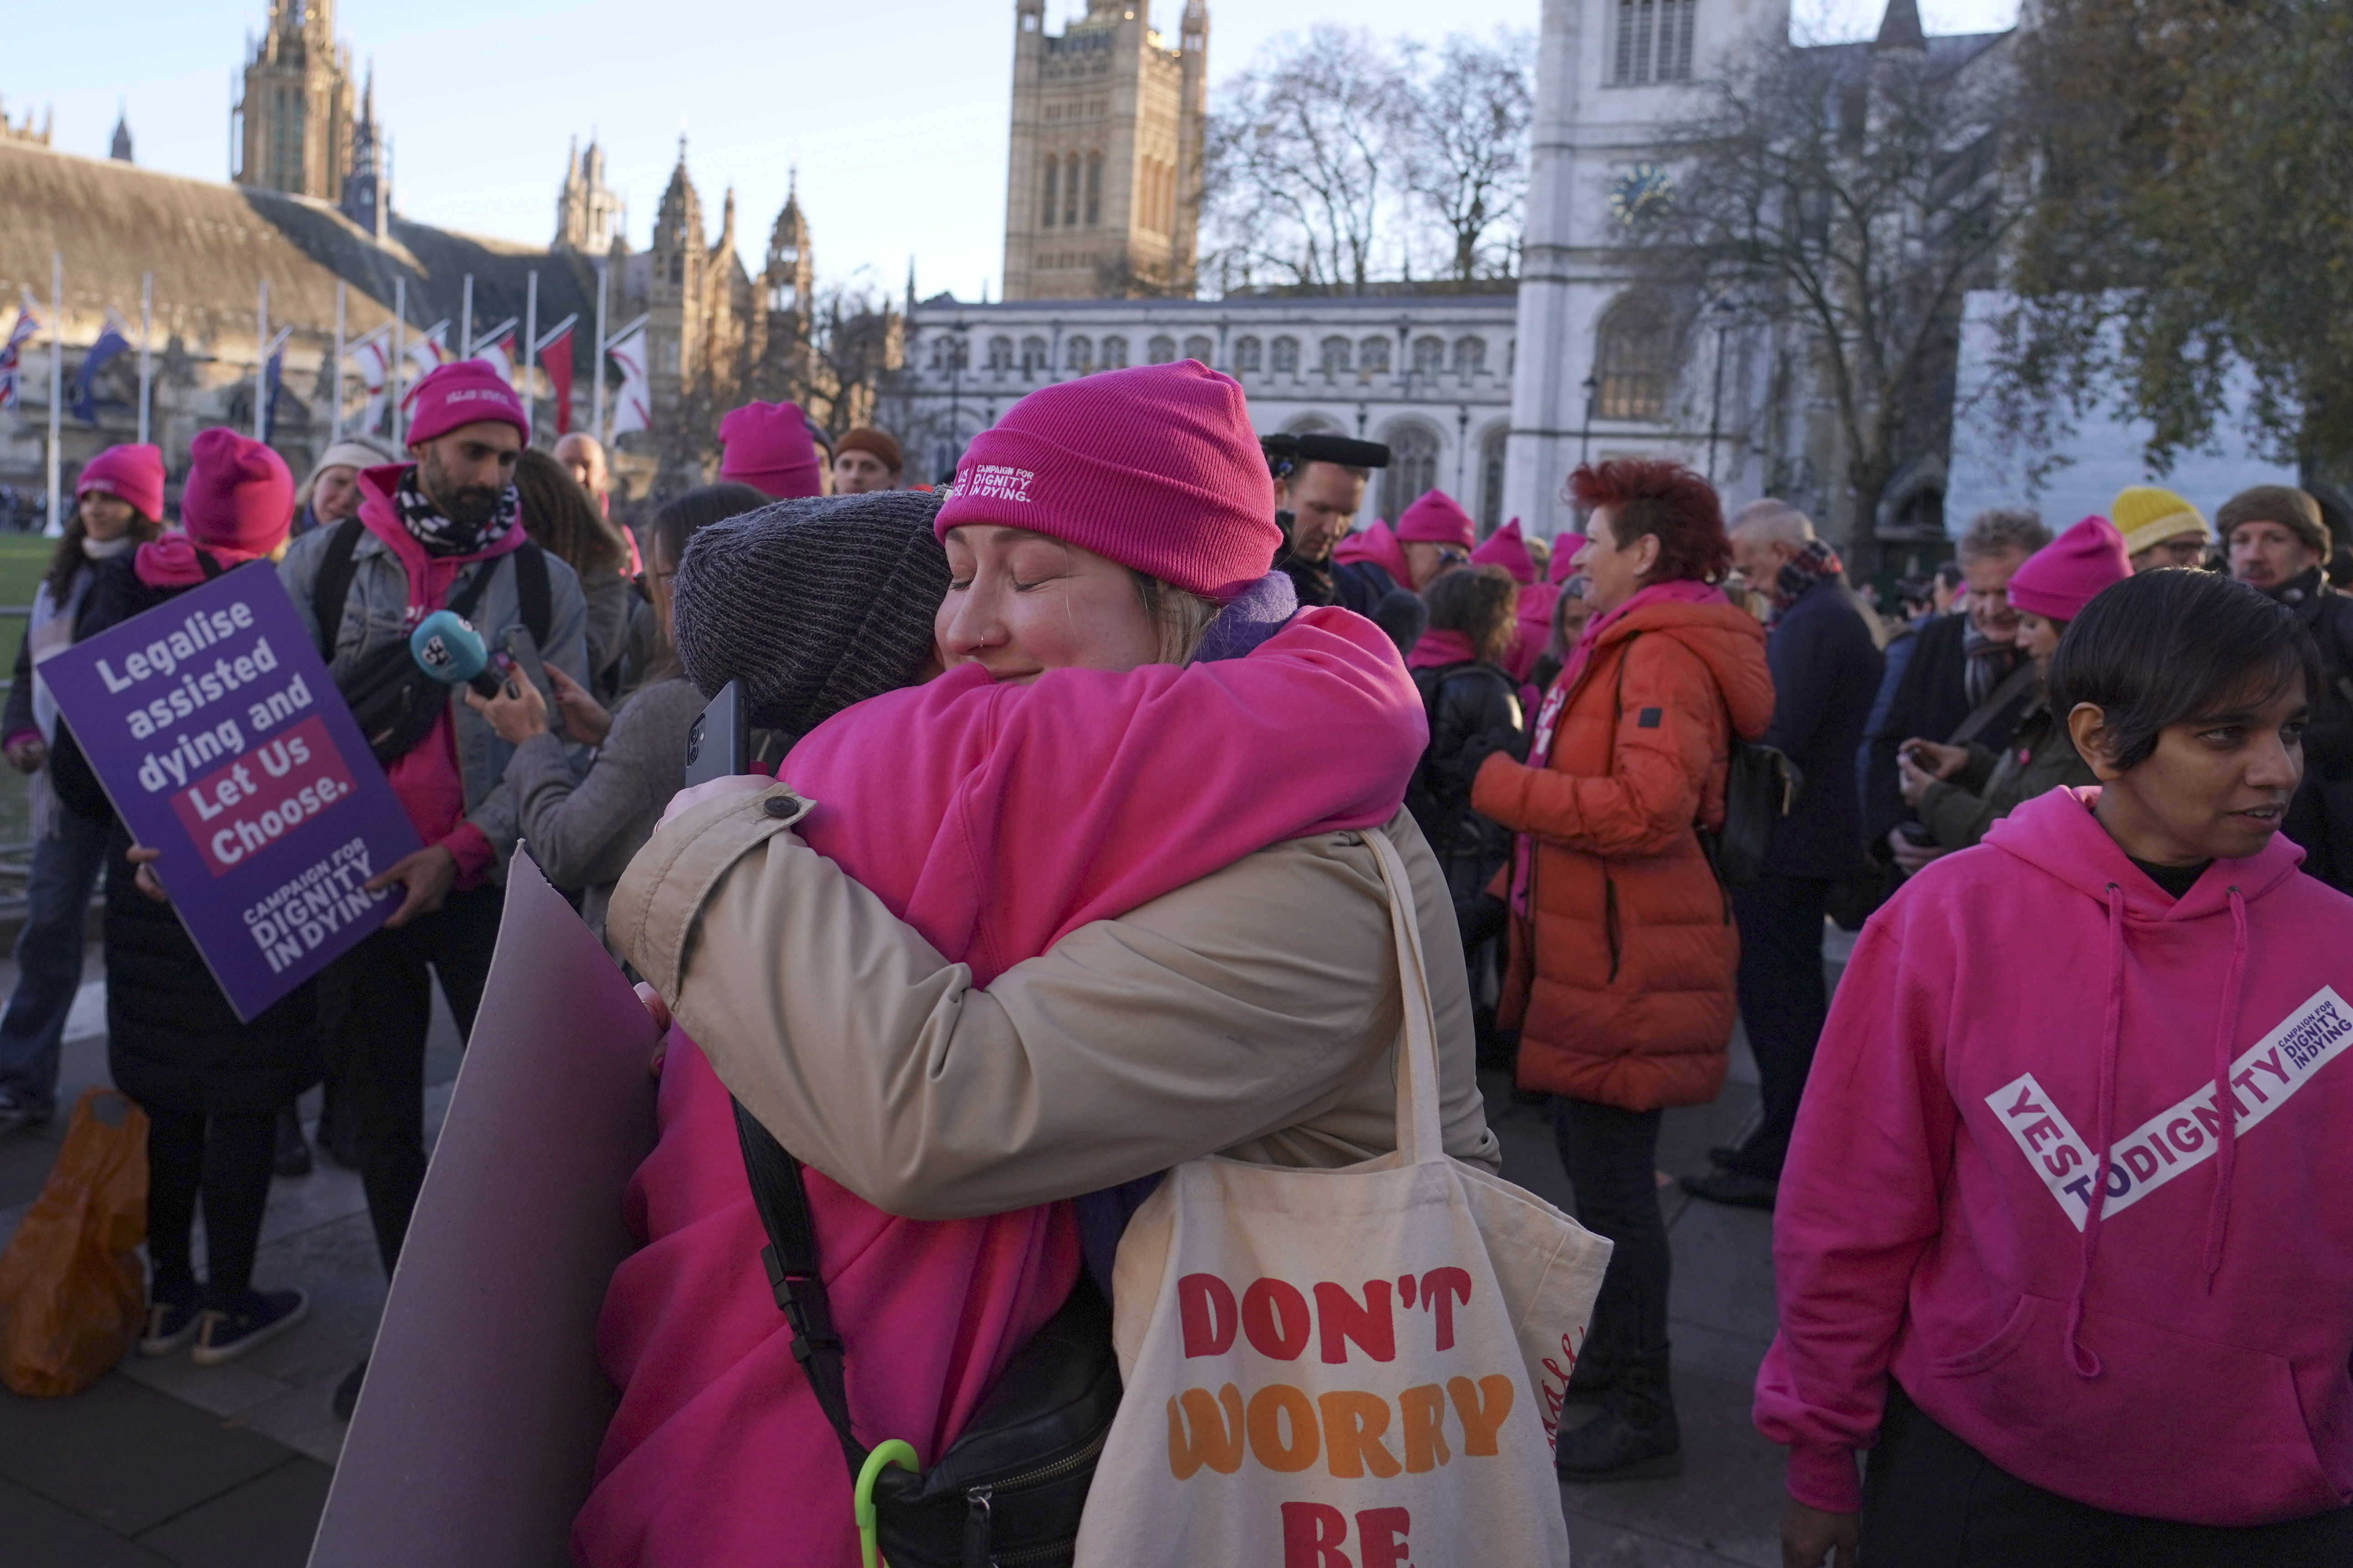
[2088,797]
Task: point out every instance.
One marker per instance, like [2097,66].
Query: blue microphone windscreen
[448,648]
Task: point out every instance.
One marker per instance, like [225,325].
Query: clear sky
[893,110]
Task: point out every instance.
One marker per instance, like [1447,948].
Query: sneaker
[347,1393]
[226,1334]
[172,1322]
[294,1157]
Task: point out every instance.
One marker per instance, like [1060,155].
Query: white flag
[498,353]
[430,352]
[372,357]
[633,405]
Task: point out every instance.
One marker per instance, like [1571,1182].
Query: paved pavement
[163,1462]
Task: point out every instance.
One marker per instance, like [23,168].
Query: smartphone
[521,650]
[720,741]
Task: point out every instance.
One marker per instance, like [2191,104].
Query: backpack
[395,702]
[1760,788]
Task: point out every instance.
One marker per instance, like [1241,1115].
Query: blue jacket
[1826,667]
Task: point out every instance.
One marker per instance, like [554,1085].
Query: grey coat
[583,830]
[375,613]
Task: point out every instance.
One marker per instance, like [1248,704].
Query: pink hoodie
[1104,791]
[2021,1015]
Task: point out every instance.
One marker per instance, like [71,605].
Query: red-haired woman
[1623,954]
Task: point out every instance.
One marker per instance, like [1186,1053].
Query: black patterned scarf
[444,535]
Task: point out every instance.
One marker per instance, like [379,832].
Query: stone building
[1104,185]
[104,217]
[294,122]
[1429,372]
[589,215]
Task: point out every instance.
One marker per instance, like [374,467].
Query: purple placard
[222,741]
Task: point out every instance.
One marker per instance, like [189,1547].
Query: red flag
[557,357]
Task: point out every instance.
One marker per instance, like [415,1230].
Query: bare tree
[1299,158]
[1852,195]
[1463,131]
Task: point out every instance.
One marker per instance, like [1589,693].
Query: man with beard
[440,532]
[1964,670]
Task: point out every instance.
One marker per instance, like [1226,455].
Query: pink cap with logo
[461,393]
[1155,467]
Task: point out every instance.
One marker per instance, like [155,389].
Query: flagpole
[399,357]
[57,381]
[530,346]
[596,413]
[261,361]
[146,334]
[465,321]
[335,398]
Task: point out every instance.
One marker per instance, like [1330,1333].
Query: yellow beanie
[2147,516]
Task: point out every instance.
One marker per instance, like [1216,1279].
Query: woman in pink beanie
[118,506]
[1432,535]
[1961,791]
[213,1085]
[1133,725]
[769,446]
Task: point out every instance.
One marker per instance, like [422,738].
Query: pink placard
[477,1428]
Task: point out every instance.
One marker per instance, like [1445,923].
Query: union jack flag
[28,323]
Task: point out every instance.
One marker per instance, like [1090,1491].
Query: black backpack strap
[207,565]
[534,594]
[791,1257]
[337,567]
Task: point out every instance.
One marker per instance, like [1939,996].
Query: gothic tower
[786,284]
[674,289]
[367,189]
[296,115]
[1103,193]
[589,214]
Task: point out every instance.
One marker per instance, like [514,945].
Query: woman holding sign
[118,506]
[211,1086]
[2064,1239]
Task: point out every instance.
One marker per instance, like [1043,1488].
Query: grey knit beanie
[812,605]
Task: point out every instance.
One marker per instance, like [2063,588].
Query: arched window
[1000,354]
[1052,171]
[1286,357]
[1633,359]
[1033,355]
[1469,357]
[1199,347]
[1094,191]
[1078,355]
[1332,356]
[1412,470]
[1248,356]
[1161,350]
[1428,355]
[1491,480]
[1114,354]
[1372,355]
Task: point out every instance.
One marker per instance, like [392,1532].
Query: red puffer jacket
[1620,981]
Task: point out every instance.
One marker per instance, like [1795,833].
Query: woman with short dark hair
[1621,974]
[2063,1240]
[1474,712]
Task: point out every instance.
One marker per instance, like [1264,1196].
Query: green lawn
[23,558]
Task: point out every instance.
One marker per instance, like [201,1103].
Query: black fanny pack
[395,701]
[1010,1490]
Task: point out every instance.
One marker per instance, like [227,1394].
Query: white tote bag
[1351,1368]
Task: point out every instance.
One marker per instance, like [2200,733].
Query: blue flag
[111,342]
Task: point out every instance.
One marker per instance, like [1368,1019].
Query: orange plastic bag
[72,1293]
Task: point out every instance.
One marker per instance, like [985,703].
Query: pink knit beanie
[2065,575]
[767,446]
[132,474]
[1505,548]
[240,494]
[463,392]
[1565,547]
[1436,520]
[1155,467]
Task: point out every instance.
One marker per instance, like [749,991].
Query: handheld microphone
[445,646]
